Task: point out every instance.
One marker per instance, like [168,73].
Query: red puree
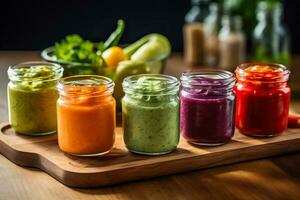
[263,99]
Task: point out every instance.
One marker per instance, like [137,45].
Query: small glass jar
[86,114]
[151,113]
[263,99]
[207,107]
[32,97]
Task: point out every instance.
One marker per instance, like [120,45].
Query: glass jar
[86,114]
[150,113]
[207,107]
[32,97]
[198,11]
[263,99]
[271,39]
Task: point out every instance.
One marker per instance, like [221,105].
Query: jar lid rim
[15,76]
[82,82]
[170,84]
[207,77]
[281,75]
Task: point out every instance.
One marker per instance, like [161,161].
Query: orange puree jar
[86,114]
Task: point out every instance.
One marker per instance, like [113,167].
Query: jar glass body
[86,113]
[262,106]
[207,107]
[150,119]
[32,97]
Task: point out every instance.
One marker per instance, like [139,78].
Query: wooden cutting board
[121,166]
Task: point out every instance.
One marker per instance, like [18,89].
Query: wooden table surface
[272,178]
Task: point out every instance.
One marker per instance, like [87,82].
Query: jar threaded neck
[262,73]
[207,78]
[208,82]
[35,71]
[151,84]
[80,85]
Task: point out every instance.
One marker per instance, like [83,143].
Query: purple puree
[207,111]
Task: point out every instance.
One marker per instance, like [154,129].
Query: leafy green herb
[83,56]
[74,49]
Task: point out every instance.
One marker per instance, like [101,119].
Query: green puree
[32,100]
[151,123]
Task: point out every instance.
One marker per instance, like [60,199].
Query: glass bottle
[86,115]
[207,107]
[198,11]
[150,110]
[271,40]
[193,33]
[231,43]
[212,25]
[263,99]
[32,97]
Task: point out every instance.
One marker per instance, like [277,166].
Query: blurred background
[210,33]
[36,24]
[202,33]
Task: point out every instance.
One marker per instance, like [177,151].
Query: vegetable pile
[80,56]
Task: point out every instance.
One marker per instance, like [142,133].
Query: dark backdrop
[36,24]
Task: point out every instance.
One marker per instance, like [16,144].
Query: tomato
[112,56]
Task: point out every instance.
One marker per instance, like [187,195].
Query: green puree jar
[151,113]
[32,97]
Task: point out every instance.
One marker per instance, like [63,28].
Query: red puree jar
[262,99]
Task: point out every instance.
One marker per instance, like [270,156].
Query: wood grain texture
[121,166]
[274,178]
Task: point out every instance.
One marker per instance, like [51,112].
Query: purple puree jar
[207,107]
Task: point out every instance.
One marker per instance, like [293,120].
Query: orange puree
[86,119]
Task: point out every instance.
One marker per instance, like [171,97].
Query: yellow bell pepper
[112,56]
